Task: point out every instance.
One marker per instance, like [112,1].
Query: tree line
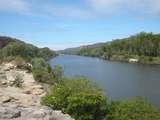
[11,48]
[144,46]
[77,96]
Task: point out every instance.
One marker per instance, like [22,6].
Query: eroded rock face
[28,95]
[31,113]
[23,103]
[9,113]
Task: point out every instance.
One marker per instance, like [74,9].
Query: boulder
[31,113]
[9,113]
[39,113]
[6,99]
[4,83]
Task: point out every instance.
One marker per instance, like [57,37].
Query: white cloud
[19,6]
[44,9]
[150,7]
[105,6]
[67,11]
[92,9]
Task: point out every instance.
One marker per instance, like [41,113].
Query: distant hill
[4,41]
[77,49]
[143,46]
[11,48]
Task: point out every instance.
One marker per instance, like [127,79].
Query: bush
[46,53]
[87,106]
[58,73]
[19,62]
[18,81]
[42,72]
[135,109]
[78,97]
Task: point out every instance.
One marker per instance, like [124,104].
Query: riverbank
[129,59]
[134,59]
[139,79]
[23,102]
[144,47]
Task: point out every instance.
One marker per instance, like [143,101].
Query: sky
[60,24]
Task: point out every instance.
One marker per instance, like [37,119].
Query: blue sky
[61,24]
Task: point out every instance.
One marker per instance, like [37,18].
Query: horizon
[60,24]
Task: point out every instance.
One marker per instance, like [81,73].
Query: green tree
[87,106]
[135,109]
[78,97]
[42,72]
[58,73]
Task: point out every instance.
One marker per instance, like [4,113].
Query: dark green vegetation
[135,109]
[11,48]
[144,46]
[85,101]
[78,97]
[28,57]
[42,72]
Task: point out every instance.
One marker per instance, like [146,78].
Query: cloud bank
[88,8]
[19,6]
[146,7]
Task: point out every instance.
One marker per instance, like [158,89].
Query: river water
[118,80]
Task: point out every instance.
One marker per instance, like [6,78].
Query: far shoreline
[120,60]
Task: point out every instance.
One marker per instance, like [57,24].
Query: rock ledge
[31,113]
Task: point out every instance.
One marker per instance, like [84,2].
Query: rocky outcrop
[28,95]
[31,113]
[23,103]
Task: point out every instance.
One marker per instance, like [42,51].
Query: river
[118,80]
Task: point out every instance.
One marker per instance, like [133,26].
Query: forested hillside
[142,46]
[28,57]
[76,96]
[11,48]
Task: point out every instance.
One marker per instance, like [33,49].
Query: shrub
[28,67]
[19,62]
[18,81]
[42,72]
[78,97]
[41,75]
[87,106]
[135,109]
[1,61]
[58,73]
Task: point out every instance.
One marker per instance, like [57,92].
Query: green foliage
[22,54]
[87,106]
[10,50]
[18,81]
[84,101]
[142,44]
[135,109]
[19,49]
[19,62]
[58,73]
[46,53]
[42,72]
[78,97]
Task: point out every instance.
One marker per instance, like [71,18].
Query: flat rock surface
[28,95]
[31,113]
[23,103]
